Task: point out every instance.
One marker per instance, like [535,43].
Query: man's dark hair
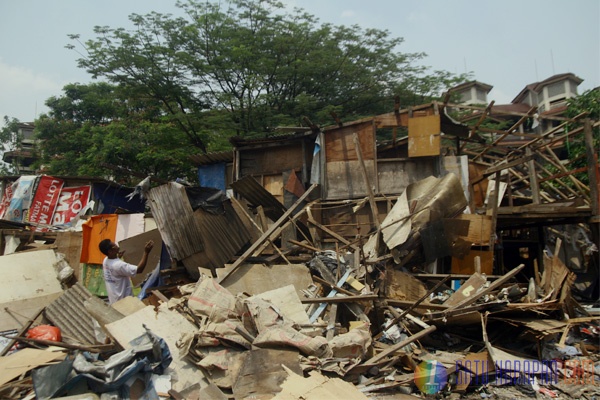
[105,246]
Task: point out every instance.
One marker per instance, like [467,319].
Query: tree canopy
[176,86]
[258,65]
[93,129]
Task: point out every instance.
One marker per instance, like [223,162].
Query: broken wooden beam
[399,345]
[493,286]
[341,299]
[267,235]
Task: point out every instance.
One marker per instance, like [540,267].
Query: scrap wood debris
[337,325]
[402,294]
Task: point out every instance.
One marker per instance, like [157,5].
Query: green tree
[244,67]
[93,130]
[588,102]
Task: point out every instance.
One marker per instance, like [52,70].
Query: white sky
[507,44]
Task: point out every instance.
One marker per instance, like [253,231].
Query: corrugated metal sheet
[175,220]
[224,235]
[69,314]
[259,196]
[213,239]
[272,139]
[212,158]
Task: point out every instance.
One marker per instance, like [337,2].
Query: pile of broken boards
[316,331]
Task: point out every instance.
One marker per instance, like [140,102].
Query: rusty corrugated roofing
[70,315]
[212,158]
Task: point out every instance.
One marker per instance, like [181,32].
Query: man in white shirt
[118,273]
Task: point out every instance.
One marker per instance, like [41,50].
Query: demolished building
[341,263]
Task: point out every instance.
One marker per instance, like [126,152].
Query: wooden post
[267,235]
[372,202]
[533,180]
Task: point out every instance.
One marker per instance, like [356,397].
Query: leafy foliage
[175,86]
[588,102]
[256,67]
[91,130]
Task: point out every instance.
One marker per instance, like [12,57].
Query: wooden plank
[344,179]
[392,349]
[474,297]
[533,179]
[341,299]
[339,145]
[28,284]
[8,346]
[23,361]
[424,136]
[267,235]
[466,265]
[480,228]
[474,283]
[394,175]
[332,233]
[505,165]
[367,181]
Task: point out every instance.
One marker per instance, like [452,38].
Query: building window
[556,89]
[480,95]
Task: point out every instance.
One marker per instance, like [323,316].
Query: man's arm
[142,264]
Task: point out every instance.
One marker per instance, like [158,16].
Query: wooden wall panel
[271,160]
[339,143]
[395,175]
[424,136]
[467,264]
[480,228]
[344,179]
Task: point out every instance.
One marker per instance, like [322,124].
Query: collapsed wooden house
[360,176]
[337,252]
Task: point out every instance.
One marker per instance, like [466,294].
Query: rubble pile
[347,321]
[357,281]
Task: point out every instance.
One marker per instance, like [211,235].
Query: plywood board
[395,175]
[28,283]
[480,228]
[467,264]
[344,179]
[403,286]
[271,160]
[466,290]
[259,278]
[134,249]
[69,244]
[339,143]
[14,365]
[167,324]
[424,136]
